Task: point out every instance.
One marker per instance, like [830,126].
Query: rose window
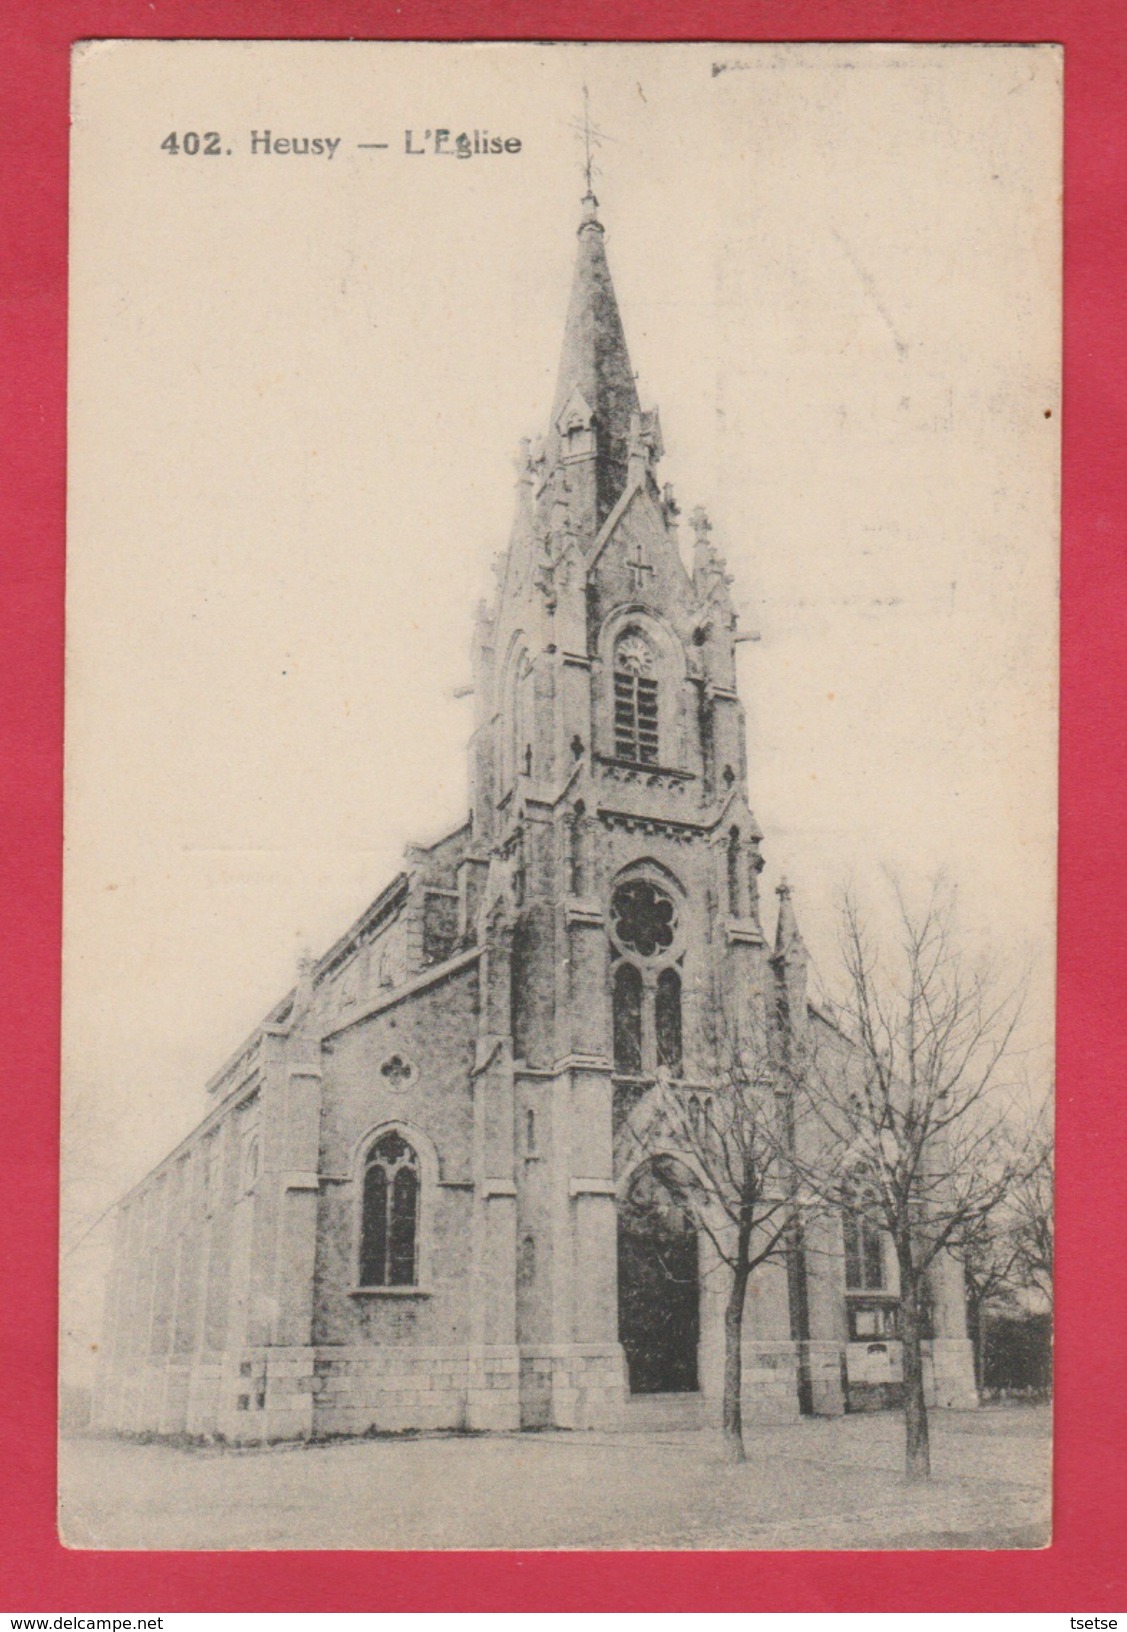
[643,918]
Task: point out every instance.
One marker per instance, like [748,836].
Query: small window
[734,872]
[864,1255]
[667,1019]
[526,1269]
[628,1020]
[390,1224]
[398,1072]
[873,1322]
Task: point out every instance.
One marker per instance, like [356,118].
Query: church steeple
[605,672]
[596,396]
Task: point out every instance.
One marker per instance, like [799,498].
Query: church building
[412,1203]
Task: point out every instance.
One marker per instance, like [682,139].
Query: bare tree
[986,1249]
[734,1178]
[1010,1250]
[1031,1209]
[907,1088]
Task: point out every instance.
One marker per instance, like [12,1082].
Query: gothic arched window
[635,699]
[647,999]
[390,1222]
[667,1020]
[864,1254]
[526,1264]
[628,1019]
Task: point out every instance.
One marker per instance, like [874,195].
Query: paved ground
[811,1484]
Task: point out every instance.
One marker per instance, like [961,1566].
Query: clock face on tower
[634,655]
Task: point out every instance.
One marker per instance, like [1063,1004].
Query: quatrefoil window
[644,918]
[398,1072]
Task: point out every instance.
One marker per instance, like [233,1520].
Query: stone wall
[408,1066]
[301,1393]
[949,1374]
[770,1381]
[572,1385]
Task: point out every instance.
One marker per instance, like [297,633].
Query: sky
[297,389]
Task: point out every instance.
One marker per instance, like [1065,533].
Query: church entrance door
[658,1284]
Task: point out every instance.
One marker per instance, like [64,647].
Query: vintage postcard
[560,774]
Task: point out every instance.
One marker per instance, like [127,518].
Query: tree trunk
[917,1449]
[733,1367]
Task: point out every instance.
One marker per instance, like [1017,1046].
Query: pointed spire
[594,362]
[788,937]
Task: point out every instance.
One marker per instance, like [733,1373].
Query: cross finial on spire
[593,137]
[596,394]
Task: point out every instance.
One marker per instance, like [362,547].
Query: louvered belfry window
[635,700]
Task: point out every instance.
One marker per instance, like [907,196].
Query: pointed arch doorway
[658,1283]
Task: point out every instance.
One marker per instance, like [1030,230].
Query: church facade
[410,1203]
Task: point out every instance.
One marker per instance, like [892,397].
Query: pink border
[1086,1567]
